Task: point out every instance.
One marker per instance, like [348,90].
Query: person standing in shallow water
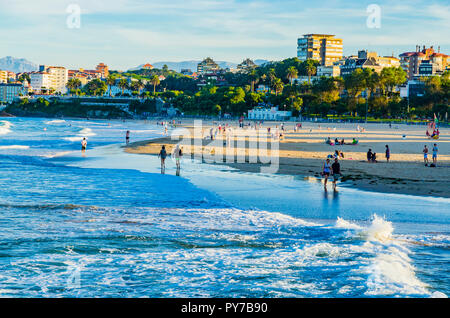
[178,153]
[127,137]
[83,145]
[326,172]
[336,170]
[388,153]
[163,155]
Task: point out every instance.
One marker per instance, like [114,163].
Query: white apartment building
[40,81]
[272,113]
[50,77]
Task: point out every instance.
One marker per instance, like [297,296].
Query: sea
[106,223]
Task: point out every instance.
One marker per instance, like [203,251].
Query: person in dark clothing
[336,171]
[163,155]
[369,155]
[388,153]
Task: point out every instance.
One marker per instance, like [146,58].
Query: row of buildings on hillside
[328,51]
[48,79]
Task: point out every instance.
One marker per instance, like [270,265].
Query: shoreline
[404,174]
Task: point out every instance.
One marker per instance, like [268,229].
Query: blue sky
[127,33]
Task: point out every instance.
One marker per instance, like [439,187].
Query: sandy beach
[303,153]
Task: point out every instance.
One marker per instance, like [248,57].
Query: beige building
[3,76]
[328,71]
[324,48]
[382,61]
[51,77]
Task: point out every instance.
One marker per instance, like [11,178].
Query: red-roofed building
[435,61]
[147,66]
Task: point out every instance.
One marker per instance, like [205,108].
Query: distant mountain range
[192,65]
[19,65]
[16,65]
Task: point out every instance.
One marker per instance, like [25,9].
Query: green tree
[155,82]
[123,84]
[110,81]
[73,84]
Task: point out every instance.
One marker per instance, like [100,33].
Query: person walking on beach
[435,152]
[336,170]
[178,153]
[425,155]
[326,171]
[83,145]
[163,155]
[388,153]
[127,137]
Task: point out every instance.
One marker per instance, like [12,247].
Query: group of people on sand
[338,142]
[434,156]
[372,156]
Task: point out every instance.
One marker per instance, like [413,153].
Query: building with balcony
[50,77]
[246,66]
[328,71]
[207,66]
[40,81]
[103,69]
[8,92]
[435,61]
[324,48]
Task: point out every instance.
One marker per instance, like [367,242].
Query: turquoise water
[107,224]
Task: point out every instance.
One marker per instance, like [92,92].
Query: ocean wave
[55,122]
[73,139]
[86,132]
[5,127]
[15,147]
[58,154]
[47,206]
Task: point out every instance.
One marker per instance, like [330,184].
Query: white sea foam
[379,230]
[55,122]
[58,154]
[15,147]
[85,132]
[390,271]
[73,138]
[5,127]
[343,224]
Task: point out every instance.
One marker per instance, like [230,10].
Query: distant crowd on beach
[330,169]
